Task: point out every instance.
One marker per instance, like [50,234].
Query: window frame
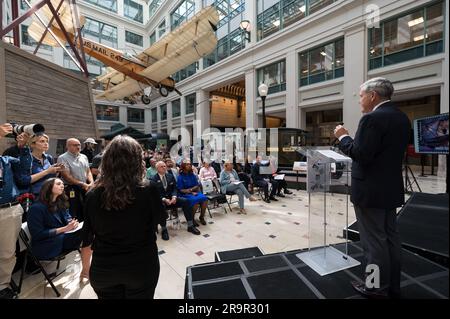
[424,44]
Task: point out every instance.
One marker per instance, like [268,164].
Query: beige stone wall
[33,90]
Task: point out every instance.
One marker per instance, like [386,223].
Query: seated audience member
[248,165]
[151,171]
[189,188]
[207,172]
[37,167]
[171,168]
[243,176]
[259,180]
[167,188]
[49,221]
[229,182]
[282,184]
[218,166]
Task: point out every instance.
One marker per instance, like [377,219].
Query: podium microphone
[336,140]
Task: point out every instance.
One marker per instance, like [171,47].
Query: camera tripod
[408,183]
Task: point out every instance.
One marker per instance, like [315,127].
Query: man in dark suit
[377,152]
[259,180]
[167,187]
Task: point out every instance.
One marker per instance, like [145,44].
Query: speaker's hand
[340,130]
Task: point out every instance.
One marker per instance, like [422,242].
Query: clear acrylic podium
[328,174]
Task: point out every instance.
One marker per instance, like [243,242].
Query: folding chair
[260,190]
[25,237]
[230,200]
[214,195]
[173,217]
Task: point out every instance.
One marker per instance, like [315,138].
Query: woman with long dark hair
[49,222]
[122,212]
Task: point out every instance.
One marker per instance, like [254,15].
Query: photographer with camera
[10,218]
[77,176]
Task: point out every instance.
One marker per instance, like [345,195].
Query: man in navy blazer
[167,187]
[377,152]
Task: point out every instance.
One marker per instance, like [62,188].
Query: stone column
[147,120]
[123,115]
[355,75]
[202,114]
[292,108]
[250,99]
[169,117]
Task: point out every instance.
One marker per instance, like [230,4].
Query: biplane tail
[67,16]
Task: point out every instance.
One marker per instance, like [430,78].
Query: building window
[185,73]
[107,112]
[133,10]
[154,115]
[163,109]
[28,40]
[411,36]
[183,12]
[162,28]
[191,101]
[228,9]
[134,38]
[110,5]
[320,125]
[316,5]
[274,16]
[154,5]
[135,115]
[274,76]
[227,46]
[322,63]
[99,32]
[176,108]
[153,38]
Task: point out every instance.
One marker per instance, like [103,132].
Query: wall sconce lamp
[246,28]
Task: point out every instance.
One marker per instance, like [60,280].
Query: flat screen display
[431,134]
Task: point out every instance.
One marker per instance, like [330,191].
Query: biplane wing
[190,42]
[203,22]
[127,74]
[121,90]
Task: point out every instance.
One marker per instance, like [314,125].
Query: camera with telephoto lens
[31,129]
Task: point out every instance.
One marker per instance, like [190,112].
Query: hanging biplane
[131,75]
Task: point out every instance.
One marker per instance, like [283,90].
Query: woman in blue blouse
[37,167]
[189,188]
[49,222]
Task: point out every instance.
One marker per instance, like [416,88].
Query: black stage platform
[284,276]
[237,254]
[423,225]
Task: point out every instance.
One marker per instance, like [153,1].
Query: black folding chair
[214,196]
[231,194]
[25,237]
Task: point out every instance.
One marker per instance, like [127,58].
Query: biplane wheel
[145,99]
[163,91]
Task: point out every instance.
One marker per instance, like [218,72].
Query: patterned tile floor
[279,226]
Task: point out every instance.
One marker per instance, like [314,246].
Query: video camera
[31,129]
